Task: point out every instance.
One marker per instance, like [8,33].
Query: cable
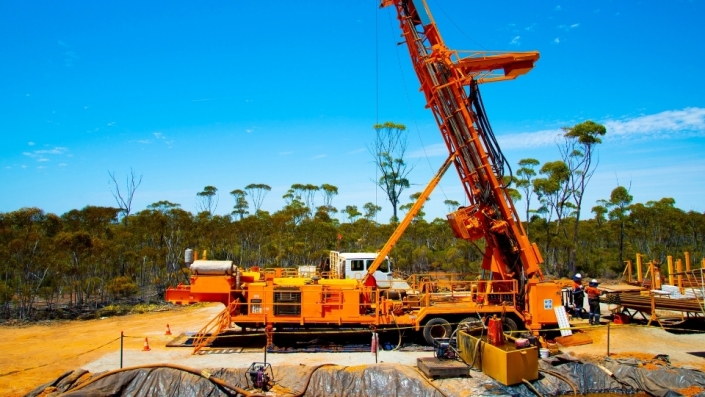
[563,378]
[457,27]
[193,371]
[530,386]
[310,375]
[394,318]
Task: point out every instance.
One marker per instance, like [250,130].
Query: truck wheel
[436,328]
[509,326]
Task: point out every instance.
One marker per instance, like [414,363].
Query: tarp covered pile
[559,375]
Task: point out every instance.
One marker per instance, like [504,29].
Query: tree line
[96,255]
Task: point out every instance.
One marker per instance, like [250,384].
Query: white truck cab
[354,265]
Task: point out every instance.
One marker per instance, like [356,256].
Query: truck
[357,291]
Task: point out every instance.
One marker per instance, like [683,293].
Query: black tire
[436,328]
[509,326]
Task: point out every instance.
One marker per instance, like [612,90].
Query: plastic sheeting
[629,376]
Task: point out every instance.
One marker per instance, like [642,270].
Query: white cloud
[164,139]
[320,156]
[30,143]
[62,164]
[515,41]
[567,28]
[529,139]
[40,155]
[285,153]
[42,160]
[357,151]
[557,40]
[249,130]
[558,8]
[530,28]
[674,124]
[438,149]
[24,166]
[671,123]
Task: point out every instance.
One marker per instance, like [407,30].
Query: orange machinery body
[264,300]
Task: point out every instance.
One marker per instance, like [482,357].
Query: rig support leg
[269,331]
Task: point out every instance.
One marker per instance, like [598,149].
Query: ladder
[210,332]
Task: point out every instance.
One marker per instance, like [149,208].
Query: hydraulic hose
[563,378]
[530,386]
[394,318]
[194,371]
[310,375]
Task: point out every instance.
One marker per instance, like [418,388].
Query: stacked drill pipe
[643,303]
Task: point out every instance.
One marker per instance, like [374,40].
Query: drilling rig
[511,285]
[450,84]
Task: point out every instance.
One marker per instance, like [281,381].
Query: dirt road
[36,354]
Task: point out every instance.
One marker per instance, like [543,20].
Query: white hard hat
[577,275]
[593,281]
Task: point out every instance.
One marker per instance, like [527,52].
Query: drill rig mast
[450,84]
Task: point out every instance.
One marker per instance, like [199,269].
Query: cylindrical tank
[188,256]
[213,268]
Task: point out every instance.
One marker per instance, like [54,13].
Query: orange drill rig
[450,84]
[511,285]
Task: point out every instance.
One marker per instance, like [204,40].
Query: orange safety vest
[593,292]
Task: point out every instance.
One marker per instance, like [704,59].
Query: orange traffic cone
[146,346]
[168,330]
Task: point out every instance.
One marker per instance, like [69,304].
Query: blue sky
[233,93]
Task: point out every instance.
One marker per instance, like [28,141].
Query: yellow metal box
[505,364]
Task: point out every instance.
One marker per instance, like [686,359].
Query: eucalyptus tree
[352,212]
[85,237]
[553,192]
[28,261]
[524,181]
[578,151]
[452,205]
[414,197]
[257,192]
[371,211]
[388,151]
[207,200]
[124,198]
[329,192]
[241,204]
[618,206]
